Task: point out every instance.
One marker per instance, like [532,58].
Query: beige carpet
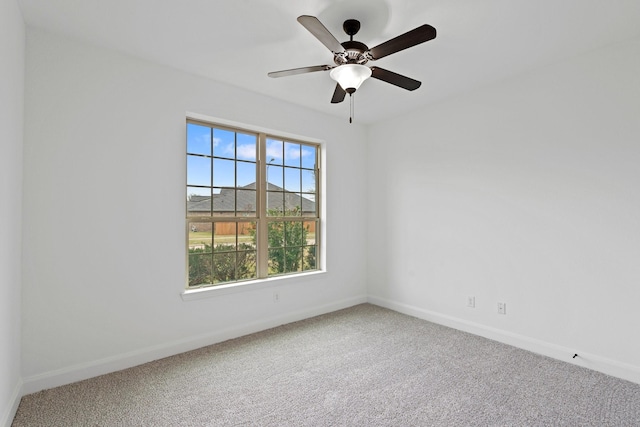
[363,366]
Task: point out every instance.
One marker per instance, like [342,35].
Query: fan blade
[394,78]
[316,28]
[414,37]
[338,95]
[301,70]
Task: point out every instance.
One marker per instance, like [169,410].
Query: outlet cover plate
[502,308]
[471,301]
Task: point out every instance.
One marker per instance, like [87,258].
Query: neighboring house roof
[225,201]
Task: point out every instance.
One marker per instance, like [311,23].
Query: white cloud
[292,152]
[274,150]
[220,148]
[246,151]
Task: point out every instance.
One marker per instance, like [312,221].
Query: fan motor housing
[353,54]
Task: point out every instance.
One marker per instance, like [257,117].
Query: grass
[197,238]
[200,238]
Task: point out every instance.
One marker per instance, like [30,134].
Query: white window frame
[263,279]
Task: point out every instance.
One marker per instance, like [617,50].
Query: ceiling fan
[351,56]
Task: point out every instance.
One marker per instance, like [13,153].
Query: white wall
[524,192]
[104,213]
[12,42]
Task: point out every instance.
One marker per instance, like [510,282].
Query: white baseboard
[598,363]
[118,362]
[6,418]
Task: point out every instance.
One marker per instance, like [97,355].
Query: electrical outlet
[276,297]
[502,308]
[471,301]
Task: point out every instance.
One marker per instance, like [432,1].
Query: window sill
[233,288]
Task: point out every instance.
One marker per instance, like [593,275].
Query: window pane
[274,152]
[293,259]
[293,204]
[198,201]
[224,267]
[223,173]
[292,179]
[294,233]
[276,261]
[200,269]
[246,265]
[200,257]
[224,237]
[308,204]
[276,234]
[224,143]
[246,147]
[275,203]
[246,236]
[198,139]
[246,202]
[200,238]
[198,170]
[310,229]
[308,181]
[309,258]
[308,157]
[246,174]
[274,177]
[292,154]
[224,201]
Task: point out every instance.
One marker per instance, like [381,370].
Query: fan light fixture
[350,76]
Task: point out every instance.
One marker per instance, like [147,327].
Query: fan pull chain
[350,108]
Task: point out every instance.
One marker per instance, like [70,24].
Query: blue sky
[284,160]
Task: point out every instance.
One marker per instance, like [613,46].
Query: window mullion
[261,186]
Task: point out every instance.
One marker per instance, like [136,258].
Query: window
[252,209]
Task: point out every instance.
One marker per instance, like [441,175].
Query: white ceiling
[239,41]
